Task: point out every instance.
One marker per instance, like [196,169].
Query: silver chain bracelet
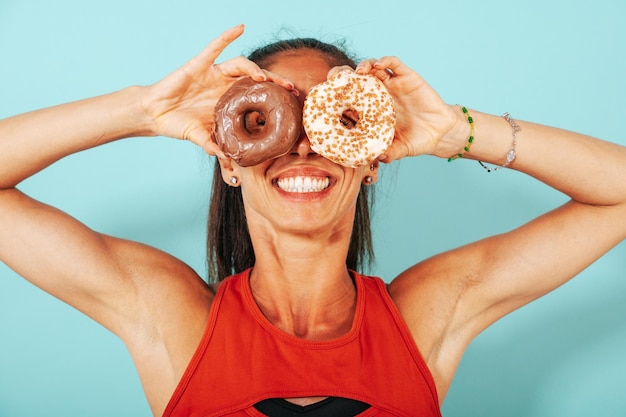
[510,155]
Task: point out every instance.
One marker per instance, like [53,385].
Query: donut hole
[254,122]
[349,118]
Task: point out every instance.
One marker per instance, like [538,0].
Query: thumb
[204,139]
[396,151]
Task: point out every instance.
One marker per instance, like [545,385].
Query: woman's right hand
[182,104]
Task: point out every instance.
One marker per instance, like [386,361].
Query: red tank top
[243,359]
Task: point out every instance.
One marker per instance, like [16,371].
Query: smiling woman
[225,215]
[287,323]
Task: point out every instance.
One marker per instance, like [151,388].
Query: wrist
[470,137]
[454,143]
[136,113]
[495,140]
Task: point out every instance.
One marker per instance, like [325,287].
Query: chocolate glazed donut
[257,121]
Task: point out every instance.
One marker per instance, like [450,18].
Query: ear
[230,172]
[370,173]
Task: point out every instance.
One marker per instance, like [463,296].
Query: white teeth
[303,184]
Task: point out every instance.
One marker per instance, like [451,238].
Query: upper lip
[304,170]
[310,168]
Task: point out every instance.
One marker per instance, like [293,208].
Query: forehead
[305,68]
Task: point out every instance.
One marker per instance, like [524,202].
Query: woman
[300,298]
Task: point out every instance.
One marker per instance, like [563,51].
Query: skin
[291,232]
[159,306]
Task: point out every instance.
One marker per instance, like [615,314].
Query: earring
[372,167]
[234,181]
[368,179]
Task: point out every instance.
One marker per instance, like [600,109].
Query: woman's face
[327,199]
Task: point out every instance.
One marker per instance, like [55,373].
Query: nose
[303,146]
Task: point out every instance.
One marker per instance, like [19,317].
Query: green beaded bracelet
[470,140]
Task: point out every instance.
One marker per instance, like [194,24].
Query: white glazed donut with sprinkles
[349,118]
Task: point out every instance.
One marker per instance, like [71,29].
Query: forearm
[588,170]
[32,141]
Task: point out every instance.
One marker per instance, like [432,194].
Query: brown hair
[229,247]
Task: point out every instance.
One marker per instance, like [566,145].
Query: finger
[336,70]
[396,151]
[365,67]
[282,81]
[211,148]
[389,67]
[204,139]
[217,45]
[393,66]
[242,66]
[383,75]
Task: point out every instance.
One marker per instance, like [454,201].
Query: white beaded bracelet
[510,155]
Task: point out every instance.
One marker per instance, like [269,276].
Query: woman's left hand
[424,123]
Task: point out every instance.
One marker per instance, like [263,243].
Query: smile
[303,184]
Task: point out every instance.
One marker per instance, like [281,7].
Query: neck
[303,287]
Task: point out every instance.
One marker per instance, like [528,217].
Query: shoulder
[167,314]
[434,299]
[170,296]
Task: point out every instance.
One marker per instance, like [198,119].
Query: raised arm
[179,106]
[463,291]
[155,303]
[93,272]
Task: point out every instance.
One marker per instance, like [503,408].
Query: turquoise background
[561,63]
